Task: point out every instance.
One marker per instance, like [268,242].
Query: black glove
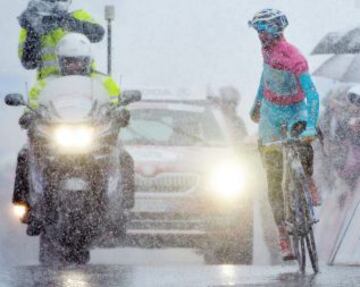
[26,19]
[69,23]
[123,117]
[27,119]
[52,22]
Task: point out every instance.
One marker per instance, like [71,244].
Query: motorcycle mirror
[130,96]
[25,120]
[14,100]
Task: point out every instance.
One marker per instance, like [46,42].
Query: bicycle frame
[299,211]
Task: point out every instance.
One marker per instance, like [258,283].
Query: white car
[193,186]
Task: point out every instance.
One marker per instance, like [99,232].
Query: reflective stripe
[48,71]
[22,35]
[46,64]
[51,39]
[20,50]
[22,39]
[35,92]
[48,57]
[83,16]
[48,50]
[111,87]
[114,101]
[49,64]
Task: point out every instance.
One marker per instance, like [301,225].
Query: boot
[285,244]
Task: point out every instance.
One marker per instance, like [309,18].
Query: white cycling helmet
[74,54]
[271,21]
[49,7]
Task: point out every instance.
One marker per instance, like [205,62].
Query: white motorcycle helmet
[59,5]
[74,55]
[49,7]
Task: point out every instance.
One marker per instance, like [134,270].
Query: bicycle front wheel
[311,246]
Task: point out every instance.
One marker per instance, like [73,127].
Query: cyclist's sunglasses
[260,26]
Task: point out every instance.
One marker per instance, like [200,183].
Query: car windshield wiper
[141,137]
[182,132]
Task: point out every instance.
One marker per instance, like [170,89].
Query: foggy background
[170,43]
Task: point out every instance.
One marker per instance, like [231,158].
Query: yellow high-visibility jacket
[38,52]
[112,88]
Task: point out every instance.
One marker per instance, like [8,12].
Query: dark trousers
[273,163]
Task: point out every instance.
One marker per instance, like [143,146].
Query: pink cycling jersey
[283,64]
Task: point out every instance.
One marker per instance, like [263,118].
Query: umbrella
[347,42]
[343,67]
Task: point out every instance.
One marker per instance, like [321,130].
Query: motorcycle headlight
[20,210]
[74,138]
[227,180]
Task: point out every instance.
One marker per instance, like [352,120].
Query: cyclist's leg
[307,160]
[273,162]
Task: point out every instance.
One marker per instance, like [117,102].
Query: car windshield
[172,128]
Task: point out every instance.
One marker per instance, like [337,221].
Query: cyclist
[286,95]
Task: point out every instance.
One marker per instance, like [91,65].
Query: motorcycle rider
[286,95]
[74,58]
[43,24]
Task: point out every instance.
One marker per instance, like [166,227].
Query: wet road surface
[181,275]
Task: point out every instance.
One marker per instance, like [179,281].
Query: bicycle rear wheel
[300,251]
[311,246]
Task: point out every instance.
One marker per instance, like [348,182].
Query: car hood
[151,160]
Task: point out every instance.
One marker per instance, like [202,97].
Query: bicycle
[299,211]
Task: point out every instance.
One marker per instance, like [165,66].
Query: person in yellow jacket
[74,58]
[43,24]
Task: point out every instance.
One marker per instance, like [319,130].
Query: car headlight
[72,137]
[227,180]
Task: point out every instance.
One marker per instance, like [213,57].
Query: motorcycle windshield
[73,98]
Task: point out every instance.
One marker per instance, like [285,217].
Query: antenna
[109,17]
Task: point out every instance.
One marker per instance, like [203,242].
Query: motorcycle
[74,167]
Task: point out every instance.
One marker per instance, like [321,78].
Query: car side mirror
[130,96]
[14,100]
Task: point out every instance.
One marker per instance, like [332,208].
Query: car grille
[166,183]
